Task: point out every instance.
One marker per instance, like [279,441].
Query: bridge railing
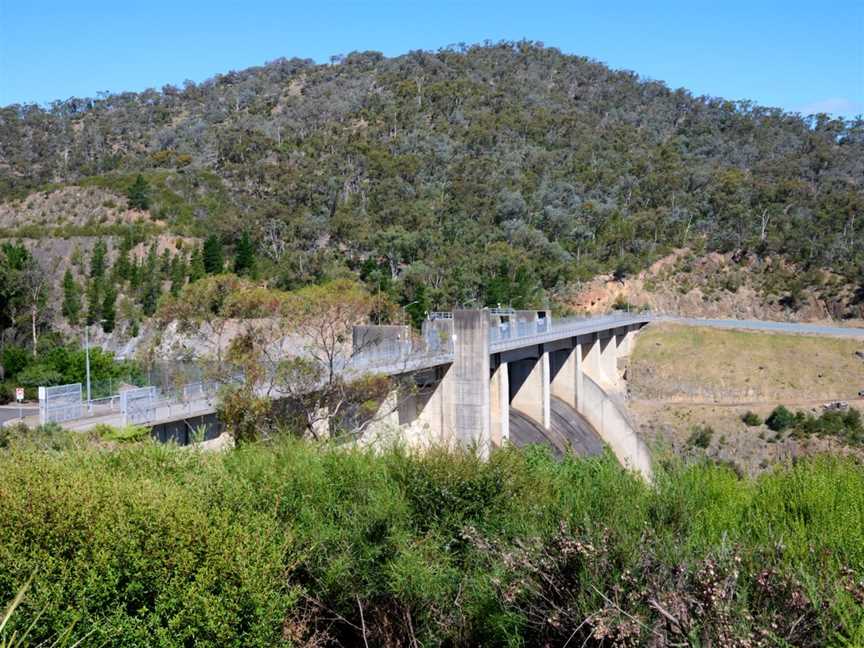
[527,330]
[390,352]
[144,405]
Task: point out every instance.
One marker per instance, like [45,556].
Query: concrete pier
[499,399]
[469,376]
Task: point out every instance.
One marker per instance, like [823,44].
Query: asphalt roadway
[777,327]
[11,412]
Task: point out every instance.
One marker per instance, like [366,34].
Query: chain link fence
[60,403]
[138,405]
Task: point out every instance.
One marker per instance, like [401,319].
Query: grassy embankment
[147,545]
[681,377]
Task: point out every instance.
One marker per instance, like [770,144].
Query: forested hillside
[479,174]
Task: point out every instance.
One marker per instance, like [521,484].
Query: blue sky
[800,56]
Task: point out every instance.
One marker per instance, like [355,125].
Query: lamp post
[87,364]
[87,361]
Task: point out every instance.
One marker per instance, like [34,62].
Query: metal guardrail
[568,326]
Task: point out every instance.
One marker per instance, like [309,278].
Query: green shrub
[780,419]
[127,434]
[701,436]
[49,436]
[752,419]
[844,425]
[302,544]
[14,359]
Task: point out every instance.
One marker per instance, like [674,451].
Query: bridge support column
[470,379]
[533,395]
[609,360]
[431,405]
[625,342]
[499,398]
[591,356]
[568,383]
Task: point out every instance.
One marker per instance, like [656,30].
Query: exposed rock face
[221,443]
[722,285]
[69,206]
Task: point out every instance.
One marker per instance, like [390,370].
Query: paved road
[780,327]
[11,413]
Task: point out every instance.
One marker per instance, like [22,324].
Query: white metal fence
[60,403]
[138,405]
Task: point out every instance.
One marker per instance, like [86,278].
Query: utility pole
[87,364]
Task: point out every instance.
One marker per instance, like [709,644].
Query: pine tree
[94,302]
[109,309]
[165,264]
[135,272]
[139,194]
[214,258]
[97,260]
[196,265]
[151,282]
[123,266]
[71,298]
[244,258]
[178,274]
[150,299]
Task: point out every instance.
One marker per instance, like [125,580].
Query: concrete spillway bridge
[492,377]
[483,377]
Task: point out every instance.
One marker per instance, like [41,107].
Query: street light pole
[87,364]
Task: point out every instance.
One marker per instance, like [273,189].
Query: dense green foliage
[780,419]
[59,365]
[213,255]
[138,194]
[244,258]
[472,174]
[843,424]
[155,545]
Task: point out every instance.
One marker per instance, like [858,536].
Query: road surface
[759,325]
[10,412]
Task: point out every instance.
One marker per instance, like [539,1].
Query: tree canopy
[467,176]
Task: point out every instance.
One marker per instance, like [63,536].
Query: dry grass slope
[682,377]
[696,363]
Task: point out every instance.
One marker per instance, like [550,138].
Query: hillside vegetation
[298,544]
[488,174]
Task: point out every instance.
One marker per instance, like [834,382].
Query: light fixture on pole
[87,361]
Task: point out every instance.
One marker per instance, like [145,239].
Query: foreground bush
[307,545]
